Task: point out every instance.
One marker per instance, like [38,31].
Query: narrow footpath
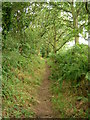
[44,107]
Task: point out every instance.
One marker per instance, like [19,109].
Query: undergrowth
[66,103]
[69,69]
[21,77]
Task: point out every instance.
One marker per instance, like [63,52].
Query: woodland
[43,75]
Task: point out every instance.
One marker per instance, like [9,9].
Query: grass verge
[67,103]
[19,85]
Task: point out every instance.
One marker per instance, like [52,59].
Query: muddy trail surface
[44,107]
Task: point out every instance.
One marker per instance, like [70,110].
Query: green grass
[19,85]
[66,103]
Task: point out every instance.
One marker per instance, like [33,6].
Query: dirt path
[44,107]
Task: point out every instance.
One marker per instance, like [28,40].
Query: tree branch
[50,43]
[60,8]
[60,35]
[82,25]
[63,43]
[65,10]
[78,10]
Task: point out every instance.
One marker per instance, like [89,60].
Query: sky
[81,41]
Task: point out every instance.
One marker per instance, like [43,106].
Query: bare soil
[43,109]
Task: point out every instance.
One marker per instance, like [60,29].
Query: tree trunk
[54,47]
[76,40]
[75,23]
[76,27]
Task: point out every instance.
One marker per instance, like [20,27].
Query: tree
[74,16]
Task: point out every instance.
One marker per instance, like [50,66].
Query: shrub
[71,64]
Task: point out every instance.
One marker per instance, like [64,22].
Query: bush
[71,64]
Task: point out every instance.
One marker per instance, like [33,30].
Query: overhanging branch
[61,45]
[60,35]
[64,43]
[50,43]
